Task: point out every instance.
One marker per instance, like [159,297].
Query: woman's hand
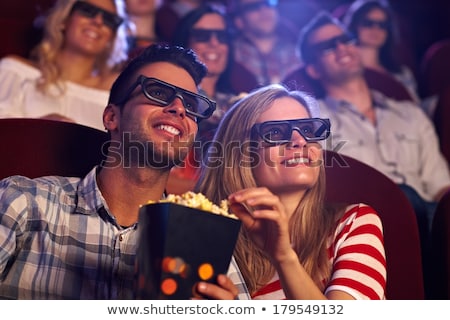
[265,219]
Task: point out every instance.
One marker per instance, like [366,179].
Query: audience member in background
[264,43]
[205,30]
[169,14]
[397,138]
[441,121]
[268,164]
[374,25]
[72,238]
[72,69]
[141,14]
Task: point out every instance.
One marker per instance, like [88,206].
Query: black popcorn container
[179,246]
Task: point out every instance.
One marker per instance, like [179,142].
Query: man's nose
[98,18]
[176,107]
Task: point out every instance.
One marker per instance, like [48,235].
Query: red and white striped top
[357,258]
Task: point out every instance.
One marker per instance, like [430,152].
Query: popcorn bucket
[179,246]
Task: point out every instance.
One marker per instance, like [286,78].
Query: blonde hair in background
[46,52]
[310,225]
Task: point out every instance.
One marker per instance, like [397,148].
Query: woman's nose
[214,40]
[297,140]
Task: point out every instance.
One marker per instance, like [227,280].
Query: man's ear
[312,71]
[111,119]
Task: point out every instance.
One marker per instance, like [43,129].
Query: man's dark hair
[319,20]
[184,58]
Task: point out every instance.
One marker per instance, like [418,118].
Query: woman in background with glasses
[266,159]
[205,30]
[71,70]
[373,24]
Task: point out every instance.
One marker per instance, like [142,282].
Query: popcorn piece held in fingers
[198,201]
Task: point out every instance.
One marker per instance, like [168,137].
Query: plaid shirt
[58,240]
[271,67]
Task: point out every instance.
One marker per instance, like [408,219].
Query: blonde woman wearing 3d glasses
[266,158]
[70,72]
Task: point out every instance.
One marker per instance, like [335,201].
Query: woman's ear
[111,119]
[312,71]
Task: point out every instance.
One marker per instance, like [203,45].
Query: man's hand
[223,290]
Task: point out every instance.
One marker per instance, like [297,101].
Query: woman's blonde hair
[228,168]
[46,52]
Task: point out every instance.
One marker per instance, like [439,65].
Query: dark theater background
[422,21]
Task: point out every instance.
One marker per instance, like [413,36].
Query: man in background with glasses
[264,43]
[71,238]
[395,137]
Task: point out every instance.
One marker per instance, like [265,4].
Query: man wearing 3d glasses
[265,44]
[71,238]
[395,137]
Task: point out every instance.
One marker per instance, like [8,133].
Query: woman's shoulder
[19,64]
[350,217]
[360,213]
[358,219]
[14,58]
[360,208]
